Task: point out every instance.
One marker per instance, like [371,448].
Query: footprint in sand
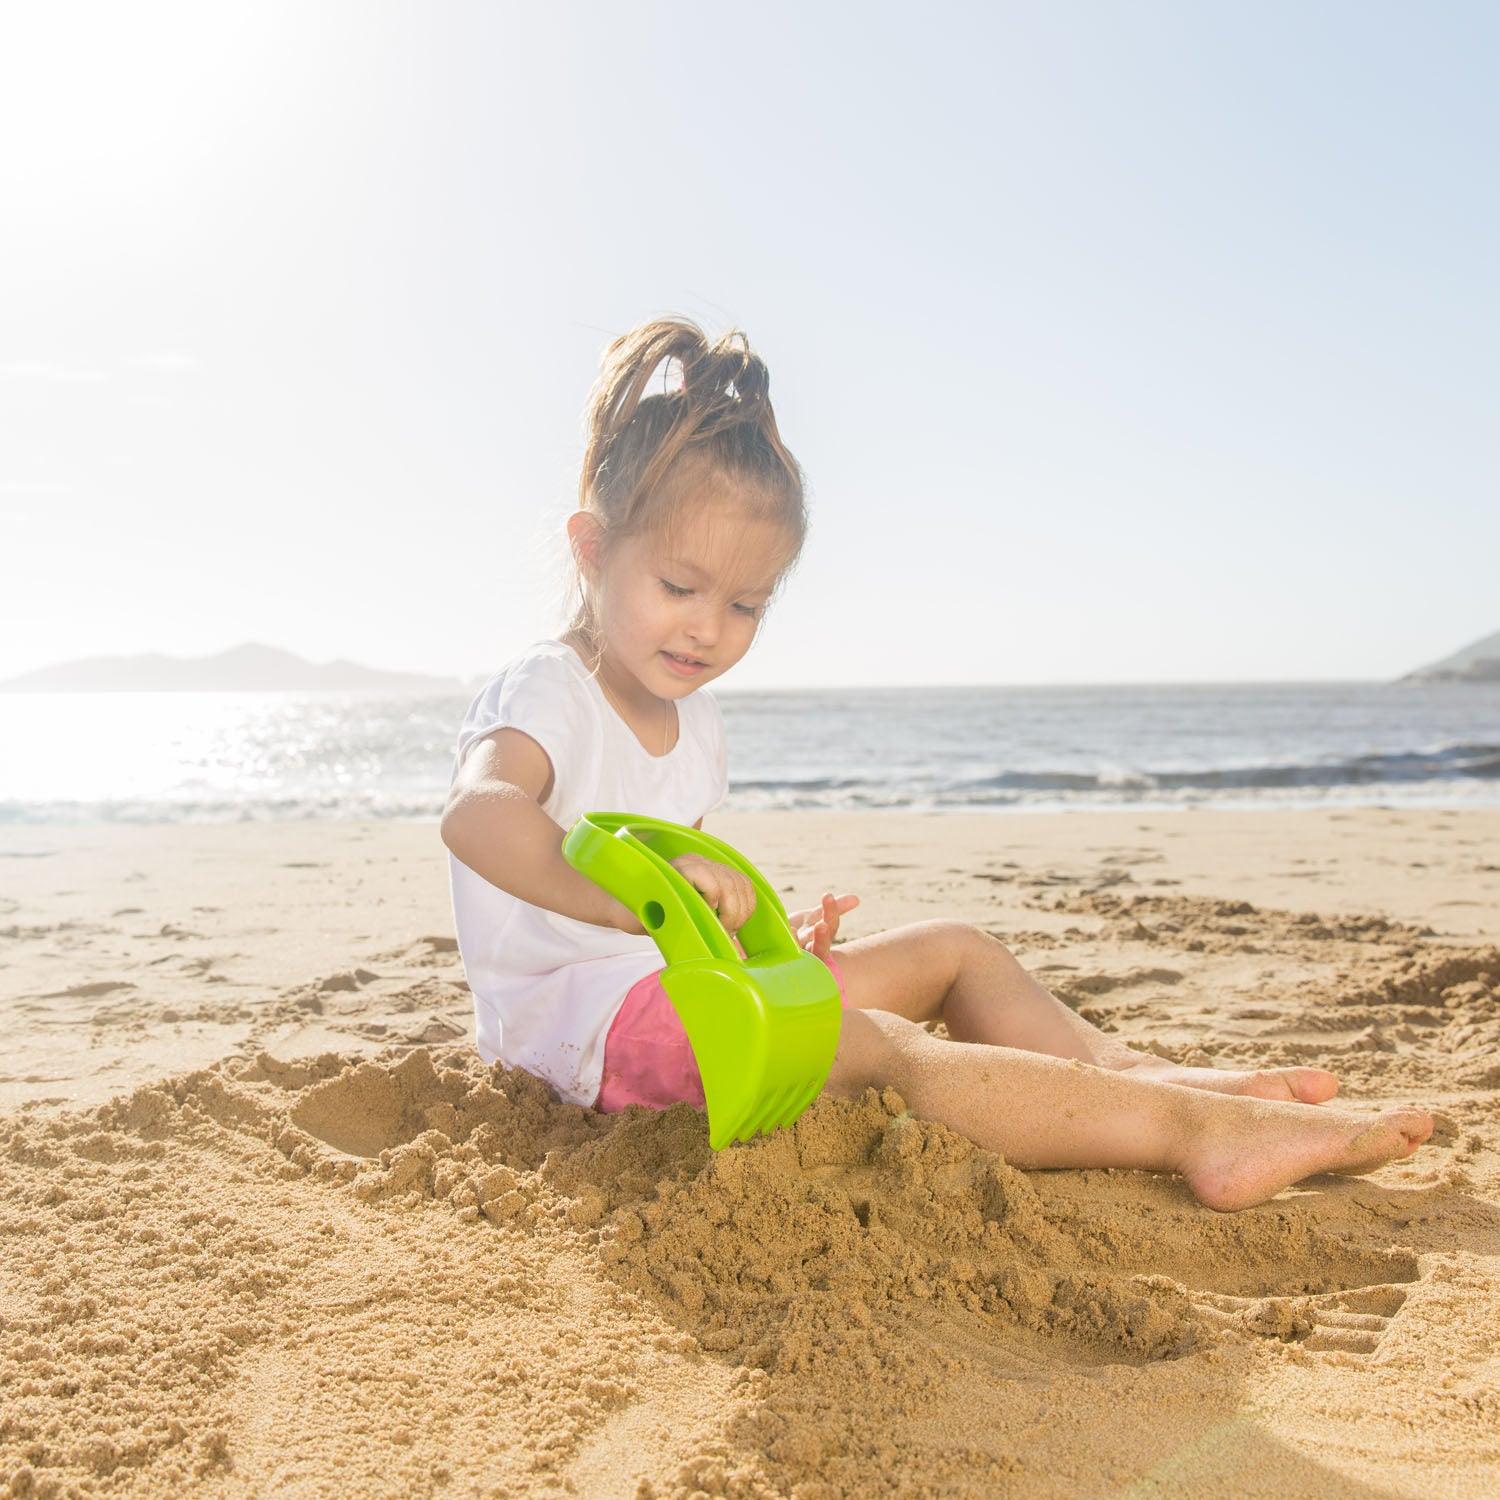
[1274,1272]
[1348,1322]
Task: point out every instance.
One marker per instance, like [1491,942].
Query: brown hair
[650,457]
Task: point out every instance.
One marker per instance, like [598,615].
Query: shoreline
[1484,800]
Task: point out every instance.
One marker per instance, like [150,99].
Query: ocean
[152,757]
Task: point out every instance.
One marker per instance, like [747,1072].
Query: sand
[267,1226]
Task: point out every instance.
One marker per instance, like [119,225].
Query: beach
[270,1227]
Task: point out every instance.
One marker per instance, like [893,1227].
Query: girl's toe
[1312,1085]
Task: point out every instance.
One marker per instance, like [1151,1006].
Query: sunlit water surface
[212,756]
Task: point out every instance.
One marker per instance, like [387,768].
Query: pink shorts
[647,1056]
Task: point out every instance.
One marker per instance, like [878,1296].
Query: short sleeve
[541,697]
[718,748]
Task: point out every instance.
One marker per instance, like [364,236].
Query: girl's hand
[727,890]
[817,927]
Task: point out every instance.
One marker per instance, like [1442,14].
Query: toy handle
[627,854]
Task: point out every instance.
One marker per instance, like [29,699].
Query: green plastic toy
[764,1027]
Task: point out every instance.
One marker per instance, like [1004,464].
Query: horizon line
[466,683]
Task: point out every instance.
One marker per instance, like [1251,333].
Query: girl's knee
[952,930]
[954,938]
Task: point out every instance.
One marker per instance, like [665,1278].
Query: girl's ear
[583,537]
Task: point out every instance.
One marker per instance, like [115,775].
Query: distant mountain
[1477,663]
[242,669]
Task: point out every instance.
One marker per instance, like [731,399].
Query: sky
[1118,343]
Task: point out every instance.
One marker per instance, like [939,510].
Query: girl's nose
[703,627]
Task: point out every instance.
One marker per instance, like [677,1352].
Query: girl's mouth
[683,666]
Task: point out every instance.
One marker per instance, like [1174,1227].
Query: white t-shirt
[547,987]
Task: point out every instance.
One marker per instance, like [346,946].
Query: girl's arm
[494,824]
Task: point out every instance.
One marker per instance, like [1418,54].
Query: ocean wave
[1462,769]
[1451,762]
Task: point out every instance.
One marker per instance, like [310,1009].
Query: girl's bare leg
[955,972]
[1041,1111]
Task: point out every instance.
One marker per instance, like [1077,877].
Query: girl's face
[676,613]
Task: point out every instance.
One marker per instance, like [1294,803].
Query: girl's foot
[1239,1158]
[1287,1085]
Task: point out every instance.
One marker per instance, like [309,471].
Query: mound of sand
[404,1275]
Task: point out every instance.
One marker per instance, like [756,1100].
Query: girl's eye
[681,593]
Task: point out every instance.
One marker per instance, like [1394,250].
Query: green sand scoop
[763,1027]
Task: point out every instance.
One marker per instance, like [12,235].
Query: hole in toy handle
[602,845]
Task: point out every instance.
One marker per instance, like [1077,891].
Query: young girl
[690,516]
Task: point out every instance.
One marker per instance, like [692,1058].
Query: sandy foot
[1239,1160]
[1289,1085]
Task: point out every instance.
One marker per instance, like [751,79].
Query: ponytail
[716,425]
